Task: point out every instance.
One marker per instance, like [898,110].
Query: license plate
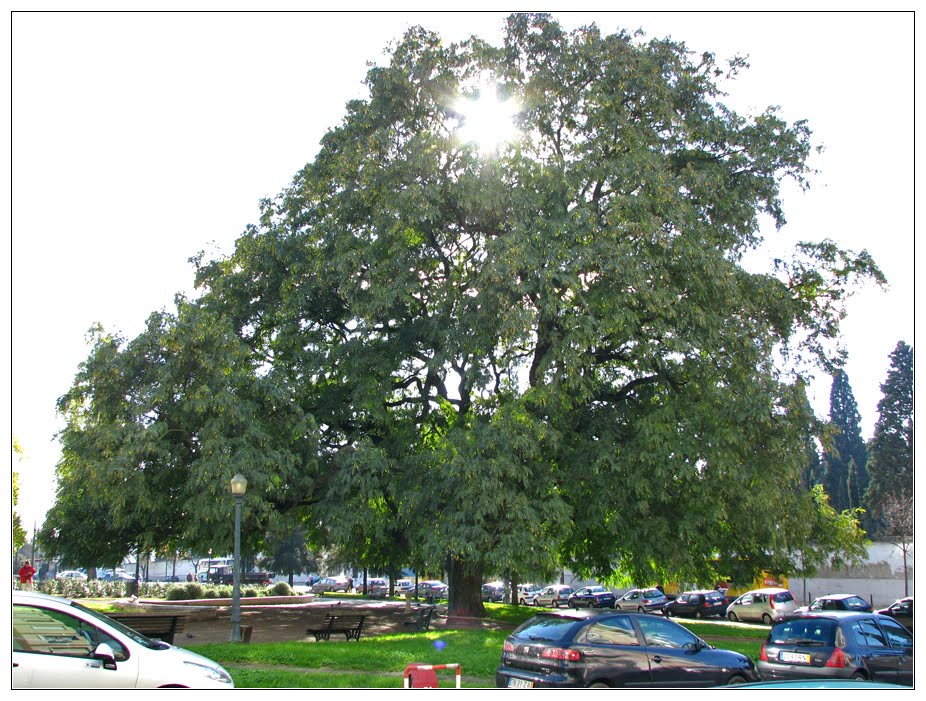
[794,657]
[514,683]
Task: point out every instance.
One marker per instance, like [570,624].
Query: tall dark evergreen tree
[891,463]
[847,445]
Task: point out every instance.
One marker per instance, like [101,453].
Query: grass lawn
[379,662]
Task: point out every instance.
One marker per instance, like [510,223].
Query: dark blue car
[579,648]
[838,645]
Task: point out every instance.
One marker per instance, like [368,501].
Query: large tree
[891,461]
[499,362]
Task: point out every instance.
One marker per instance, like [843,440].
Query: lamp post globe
[239,485]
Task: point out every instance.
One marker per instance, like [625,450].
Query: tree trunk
[465,589]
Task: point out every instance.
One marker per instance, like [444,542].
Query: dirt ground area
[289,622]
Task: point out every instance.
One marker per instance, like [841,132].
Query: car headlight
[214,673]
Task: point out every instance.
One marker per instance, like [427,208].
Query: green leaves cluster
[548,357]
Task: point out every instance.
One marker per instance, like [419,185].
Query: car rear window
[856,603]
[782,597]
[804,631]
[714,597]
[546,628]
[652,593]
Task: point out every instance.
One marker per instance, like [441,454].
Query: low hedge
[170,591]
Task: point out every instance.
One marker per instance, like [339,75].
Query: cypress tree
[891,463]
[847,445]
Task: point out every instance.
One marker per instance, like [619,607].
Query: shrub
[194,590]
[176,594]
[250,592]
[281,589]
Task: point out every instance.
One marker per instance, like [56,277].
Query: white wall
[880,580]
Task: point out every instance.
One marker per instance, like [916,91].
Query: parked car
[765,605]
[838,645]
[326,584]
[70,574]
[641,600]
[587,649]
[701,603]
[493,591]
[58,643]
[554,596]
[836,602]
[377,588]
[527,593]
[901,610]
[432,589]
[404,585]
[592,597]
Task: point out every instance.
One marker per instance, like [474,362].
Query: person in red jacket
[25,575]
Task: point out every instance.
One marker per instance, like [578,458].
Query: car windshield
[804,631]
[122,628]
[545,628]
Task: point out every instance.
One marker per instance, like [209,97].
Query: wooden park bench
[163,626]
[421,620]
[350,625]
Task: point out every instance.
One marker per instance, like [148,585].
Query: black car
[592,597]
[697,604]
[616,649]
[837,602]
[838,645]
[901,610]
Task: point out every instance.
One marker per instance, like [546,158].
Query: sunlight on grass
[379,662]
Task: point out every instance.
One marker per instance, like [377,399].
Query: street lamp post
[239,485]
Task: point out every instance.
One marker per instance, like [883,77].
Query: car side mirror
[104,652]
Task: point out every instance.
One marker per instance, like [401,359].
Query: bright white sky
[140,139]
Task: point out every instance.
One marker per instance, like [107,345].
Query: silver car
[641,600]
[554,596]
[765,605]
[326,584]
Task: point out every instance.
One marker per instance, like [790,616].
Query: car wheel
[736,679]
[698,615]
[732,617]
[598,685]
[667,612]
[766,619]
[640,609]
[859,677]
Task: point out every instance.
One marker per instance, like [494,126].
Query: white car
[60,644]
[70,574]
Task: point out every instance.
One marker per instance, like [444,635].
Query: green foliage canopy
[481,364]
